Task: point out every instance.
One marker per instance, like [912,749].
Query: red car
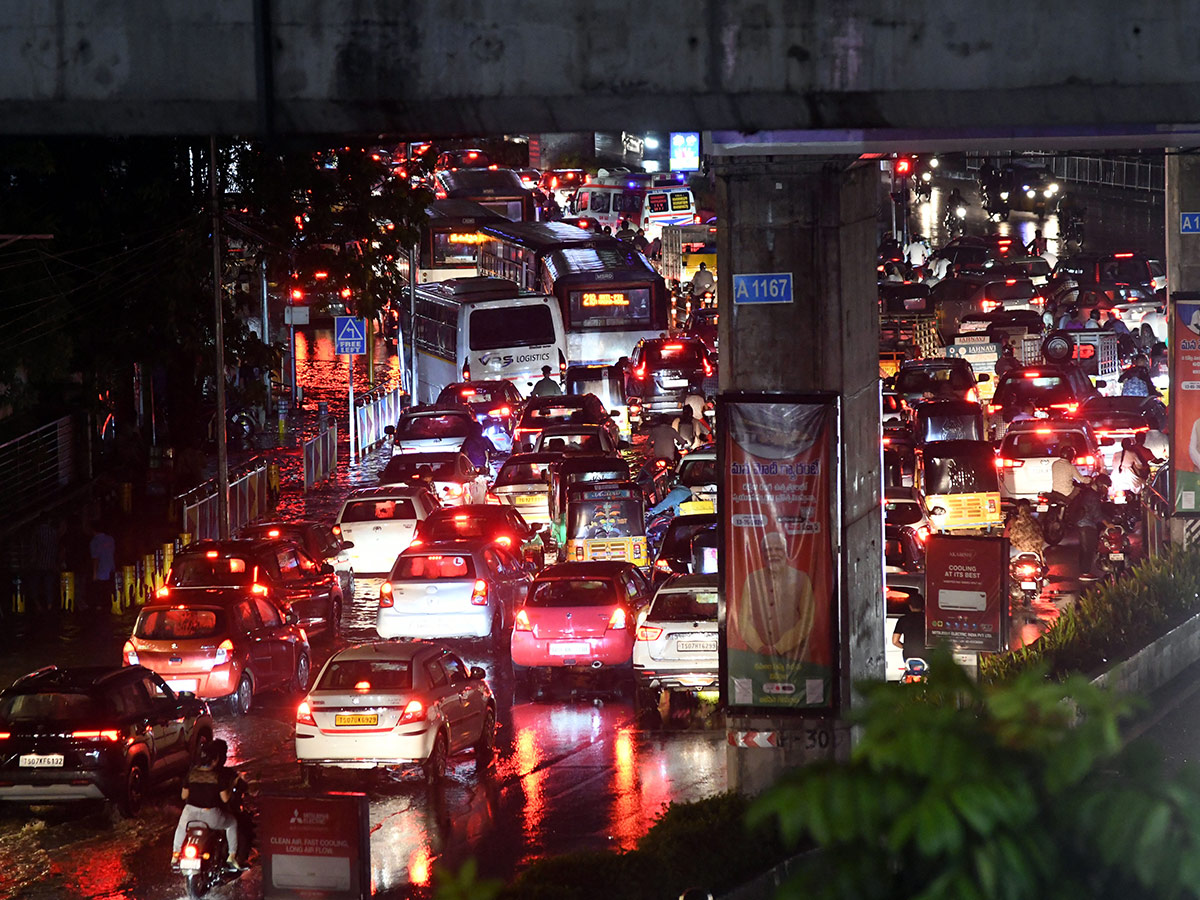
[580,615]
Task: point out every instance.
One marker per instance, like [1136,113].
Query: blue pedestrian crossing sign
[350,335]
[1189,223]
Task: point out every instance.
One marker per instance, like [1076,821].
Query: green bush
[1110,621]
[706,843]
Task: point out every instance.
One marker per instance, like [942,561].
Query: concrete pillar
[1183,277]
[816,218]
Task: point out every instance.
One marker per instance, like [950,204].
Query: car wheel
[133,790]
[301,675]
[1148,338]
[485,747]
[243,697]
[435,766]
[334,627]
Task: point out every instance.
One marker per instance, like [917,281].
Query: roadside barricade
[249,499]
[320,456]
[377,410]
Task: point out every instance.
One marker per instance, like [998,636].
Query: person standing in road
[1087,512]
[103,550]
[1037,246]
[546,386]
[909,633]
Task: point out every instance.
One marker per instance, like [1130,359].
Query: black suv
[98,733]
[1055,389]
[662,372]
[319,541]
[288,575]
[1119,276]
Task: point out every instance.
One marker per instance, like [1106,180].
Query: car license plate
[182,684]
[1117,556]
[356,720]
[697,646]
[1029,585]
[41,760]
[1043,507]
[572,648]
[527,499]
[674,382]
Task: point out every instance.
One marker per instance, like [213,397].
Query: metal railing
[1134,173]
[38,464]
[249,499]
[320,456]
[377,409]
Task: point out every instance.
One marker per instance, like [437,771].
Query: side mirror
[326,569]
[477,673]
[982,377]
[291,618]
[347,545]
[389,430]
[1107,442]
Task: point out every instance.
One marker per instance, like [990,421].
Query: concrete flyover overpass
[851,70]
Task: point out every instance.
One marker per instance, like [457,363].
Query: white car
[381,522]
[391,704]
[675,647]
[430,428]
[1029,449]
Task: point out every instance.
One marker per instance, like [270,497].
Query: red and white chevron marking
[765,739]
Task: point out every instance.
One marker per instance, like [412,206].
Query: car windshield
[548,415]
[1042,442]
[401,469]
[178,623]
[366,675]
[434,567]
[901,512]
[970,472]
[522,473]
[960,427]
[383,508]
[697,472]
[202,570]
[935,380]
[572,592]
[686,354]
[421,427]
[677,542]
[48,706]
[1040,390]
[684,606]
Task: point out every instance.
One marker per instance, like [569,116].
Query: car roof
[542,457]
[491,384]
[682,338]
[940,362]
[79,678]
[397,650]
[586,463]
[1120,403]
[387,492]
[461,546]
[591,569]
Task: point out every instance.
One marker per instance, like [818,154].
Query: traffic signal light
[902,167]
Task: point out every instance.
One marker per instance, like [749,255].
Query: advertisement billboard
[966,592]
[685,151]
[1185,402]
[778,466]
[315,847]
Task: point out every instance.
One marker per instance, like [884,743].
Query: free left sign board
[350,335]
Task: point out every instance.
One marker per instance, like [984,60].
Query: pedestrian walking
[103,550]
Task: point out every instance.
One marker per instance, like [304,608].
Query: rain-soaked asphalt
[573,770]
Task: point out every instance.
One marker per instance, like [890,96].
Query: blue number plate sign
[1189,223]
[769,287]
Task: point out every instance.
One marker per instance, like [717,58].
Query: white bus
[484,329]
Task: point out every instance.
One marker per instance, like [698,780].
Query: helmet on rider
[1065,451]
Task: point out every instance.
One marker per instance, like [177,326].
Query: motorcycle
[915,670]
[955,219]
[923,188]
[202,858]
[995,205]
[1071,226]
[1052,515]
[1027,575]
[1114,546]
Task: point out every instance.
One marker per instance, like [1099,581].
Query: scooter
[995,205]
[1113,550]
[955,219]
[1052,515]
[923,188]
[1027,575]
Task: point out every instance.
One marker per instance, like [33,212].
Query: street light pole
[219,312]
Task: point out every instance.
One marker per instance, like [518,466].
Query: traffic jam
[529,563]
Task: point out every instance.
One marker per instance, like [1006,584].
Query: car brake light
[639,372]
[989,305]
[479,595]
[1033,374]
[504,540]
[521,622]
[460,517]
[1043,431]
[224,650]
[130,654]
[454,490]
[618,619]
[297,294]
[5,735]
[260,589]
[386,599]
[468,392]
[108,734]
[337,530]
[1005,463]
[1089,460]
[273,533]
[502,413]
[1122,255]
[212,554]
[708,369]
[662,564]
[671,348]
[1037,301]
[362,686]
[648,632]
[923,533]
[304,714]
[414,711]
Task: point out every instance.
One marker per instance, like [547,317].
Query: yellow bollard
[185,538]
[66,590]
[125,596]
[168,557]
[121,578]
[18,596]
[149,579]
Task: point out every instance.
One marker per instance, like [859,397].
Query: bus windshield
[511,326]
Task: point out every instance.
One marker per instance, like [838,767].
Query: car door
[470,703]
[446,697]
[277,639]
[498,581]
[166,723]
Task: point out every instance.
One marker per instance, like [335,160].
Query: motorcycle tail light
[1026,570]
[190,851]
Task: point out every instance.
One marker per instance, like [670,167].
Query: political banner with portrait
[779,585]
[1185,402]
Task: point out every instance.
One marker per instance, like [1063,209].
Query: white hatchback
[380,523]
[676,642]
[1029,449]
[391,704]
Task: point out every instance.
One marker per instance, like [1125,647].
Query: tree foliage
[1019,791]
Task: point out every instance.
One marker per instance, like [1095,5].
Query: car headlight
[1054,188]
[1030,194]
[1004,195]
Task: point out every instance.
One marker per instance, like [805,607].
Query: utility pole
[219,311]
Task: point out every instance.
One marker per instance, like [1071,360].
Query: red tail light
[297,294]
[109,734]
[304,714]
[191,851]
[639,372]
[224,651]
[1004,463]
[618,619]
[708,369]
[662,565]
[454,490]
[386,600]
[1088,460]
[990,305]
[502,413]
[413,712]
[129,652]
[521,622]
[648,632]
[504,540]
[992,409]
[479,596]
[923,533]
[1026,570]
[5,735]
[260,589]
